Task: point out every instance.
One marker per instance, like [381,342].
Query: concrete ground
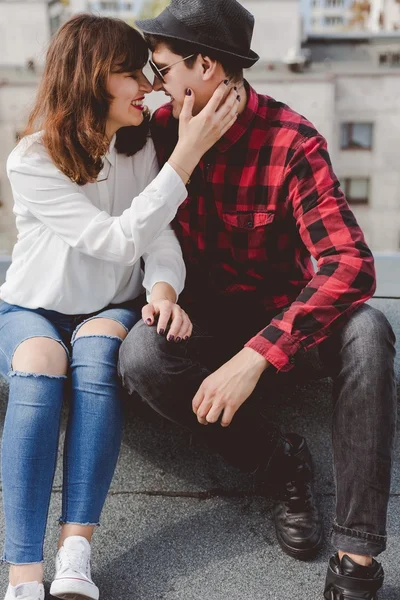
[179,524]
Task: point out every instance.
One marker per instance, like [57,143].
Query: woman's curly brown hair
[73,102]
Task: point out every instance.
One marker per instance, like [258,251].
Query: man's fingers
[203,411]
[187,108]
[227,417]
[214,413]
[148,313]
[197,399]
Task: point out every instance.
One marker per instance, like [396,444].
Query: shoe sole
[71,589]
[303,553]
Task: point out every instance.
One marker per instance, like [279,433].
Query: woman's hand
[172,319]
[198,134]
[206,128]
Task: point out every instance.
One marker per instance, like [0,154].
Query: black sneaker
[298,523]
[346,580]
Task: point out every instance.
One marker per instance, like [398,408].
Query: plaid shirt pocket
[248,234]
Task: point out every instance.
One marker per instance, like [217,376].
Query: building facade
[127,10]
[328,15]
[350,91]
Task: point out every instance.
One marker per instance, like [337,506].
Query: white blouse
[78,247]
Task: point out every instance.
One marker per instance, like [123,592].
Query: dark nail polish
[171,338]
[238,98]
[148,321]
[226,81]
[186,338]
[235,88]
[188,92]
[178,339]
[162,331]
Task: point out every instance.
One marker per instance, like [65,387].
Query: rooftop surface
[179,524]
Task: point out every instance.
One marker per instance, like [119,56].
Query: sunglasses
[158,72]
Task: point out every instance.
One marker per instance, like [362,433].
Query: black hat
[223,26]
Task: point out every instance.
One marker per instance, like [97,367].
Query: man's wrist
[256,360]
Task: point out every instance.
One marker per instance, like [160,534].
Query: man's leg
[167,376]
[361,358]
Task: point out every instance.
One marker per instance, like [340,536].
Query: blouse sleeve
[60,204]
[163,258]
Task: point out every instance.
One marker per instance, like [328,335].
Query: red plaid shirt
[261,201]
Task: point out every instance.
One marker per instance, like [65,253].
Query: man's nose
[157,84]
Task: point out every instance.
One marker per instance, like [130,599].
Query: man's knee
[370,326]
[140,355]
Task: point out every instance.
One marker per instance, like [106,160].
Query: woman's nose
[157,84]
[146,85]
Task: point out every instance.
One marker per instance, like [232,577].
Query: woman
[67,300]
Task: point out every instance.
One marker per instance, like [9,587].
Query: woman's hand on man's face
[170,319]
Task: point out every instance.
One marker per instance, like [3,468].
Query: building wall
[322,14]
[15,101]
[359,99]
[375,100]
[28,36]
[392,15]
[272,18]
[25,29]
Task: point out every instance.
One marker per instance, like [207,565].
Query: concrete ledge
[180,524]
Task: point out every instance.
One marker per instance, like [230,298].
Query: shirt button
[292,360]
[249,224]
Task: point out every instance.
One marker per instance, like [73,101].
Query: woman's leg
[95,424]
[35,362]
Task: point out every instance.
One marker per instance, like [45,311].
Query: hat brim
[155,27]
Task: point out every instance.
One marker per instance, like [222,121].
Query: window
[391,59]
[334,3]
[356,136]
[55,23]
[333,20]
[357,190]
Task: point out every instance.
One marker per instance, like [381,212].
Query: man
[259,204]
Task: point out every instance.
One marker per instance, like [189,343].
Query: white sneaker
[25,591]
[72,580]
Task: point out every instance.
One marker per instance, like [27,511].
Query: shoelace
[75,559]
[298,493]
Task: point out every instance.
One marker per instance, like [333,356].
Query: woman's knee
[40,355]
[102,327]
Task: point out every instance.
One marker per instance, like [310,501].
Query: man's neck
[242,92]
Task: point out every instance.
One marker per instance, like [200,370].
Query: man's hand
[223,392]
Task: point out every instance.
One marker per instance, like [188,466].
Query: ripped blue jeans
[32,424]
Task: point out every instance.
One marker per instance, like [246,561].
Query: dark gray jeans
[359,358]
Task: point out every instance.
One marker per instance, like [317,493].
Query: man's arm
[345,276]
[344,280]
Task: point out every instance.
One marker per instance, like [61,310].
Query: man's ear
[209,67]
